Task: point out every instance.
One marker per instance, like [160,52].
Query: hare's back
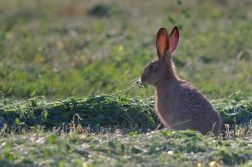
[192,100]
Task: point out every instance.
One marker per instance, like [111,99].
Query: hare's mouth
[140,84]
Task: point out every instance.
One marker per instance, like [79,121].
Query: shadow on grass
[107,111]
[95,111]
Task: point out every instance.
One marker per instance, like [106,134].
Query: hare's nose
[143,78]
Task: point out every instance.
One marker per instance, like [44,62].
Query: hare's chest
[166,108]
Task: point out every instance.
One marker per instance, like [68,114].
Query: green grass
[106,111]
[60,49]
[175,149]
[62,64]
[96,111]
[117,131]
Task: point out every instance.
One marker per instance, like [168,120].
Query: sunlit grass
[61,49]
[116,130]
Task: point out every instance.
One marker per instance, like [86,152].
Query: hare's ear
[174,40]
[162,42]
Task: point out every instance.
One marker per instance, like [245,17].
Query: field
[67,70]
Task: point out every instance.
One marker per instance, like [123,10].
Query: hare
[179,105]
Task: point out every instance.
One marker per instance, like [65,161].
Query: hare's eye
[151,67]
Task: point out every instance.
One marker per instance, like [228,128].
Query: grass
[175,149]
[60,49]
[63,65]
[118,131]
[105,110]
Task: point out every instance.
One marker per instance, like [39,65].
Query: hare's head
[162,68]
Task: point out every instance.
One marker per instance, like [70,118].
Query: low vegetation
[121,131]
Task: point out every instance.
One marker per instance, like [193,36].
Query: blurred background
[59,49]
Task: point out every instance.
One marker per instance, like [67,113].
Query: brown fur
[179,105]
